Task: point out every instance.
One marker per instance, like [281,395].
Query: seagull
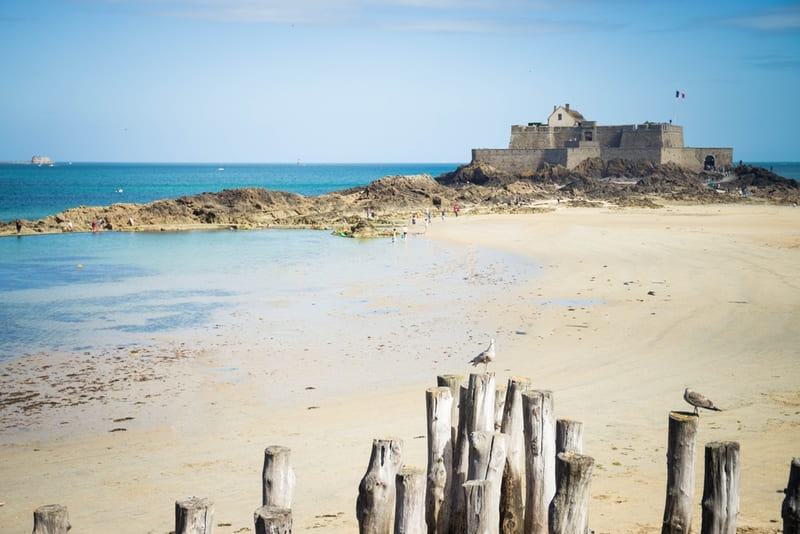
[484,357]
[698,400]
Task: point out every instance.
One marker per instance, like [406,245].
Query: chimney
[555,107]
[567,107]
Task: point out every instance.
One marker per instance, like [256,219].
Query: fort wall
[535,144]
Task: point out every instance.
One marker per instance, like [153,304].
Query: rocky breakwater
[476,188]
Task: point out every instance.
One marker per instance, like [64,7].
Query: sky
[349,81]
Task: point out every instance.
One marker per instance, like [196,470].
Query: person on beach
[394,234]
[94,226]
[18,224]
[455,210]
[405,232]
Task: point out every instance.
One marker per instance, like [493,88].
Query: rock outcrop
[373,209]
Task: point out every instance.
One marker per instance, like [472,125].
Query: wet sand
[616,312]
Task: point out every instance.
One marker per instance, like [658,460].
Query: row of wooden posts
[498,462]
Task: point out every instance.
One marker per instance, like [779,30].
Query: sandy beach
[617,312]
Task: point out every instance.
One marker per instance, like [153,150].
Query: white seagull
[484,357]
[698,400]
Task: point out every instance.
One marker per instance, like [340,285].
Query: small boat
[221,169]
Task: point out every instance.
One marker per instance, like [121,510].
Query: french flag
[678,94]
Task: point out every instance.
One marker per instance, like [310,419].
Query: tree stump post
[499,407]
[720,488]
[681,450]
[569,436]
[790,508]
[512,490]
[454,383]
[487,460]
[51,519]
[277,477]
[569,511]
[438,402]
[194,515]
[481,517]
[481,402]
[375,504]
[540,459]
[273,520]
[410,506]
[457,505]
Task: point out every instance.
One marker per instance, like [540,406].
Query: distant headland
[35,160]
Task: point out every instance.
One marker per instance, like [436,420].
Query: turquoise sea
[106,291]
[32,192]
[93,292]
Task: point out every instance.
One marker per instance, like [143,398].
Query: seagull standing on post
[698,400]
[484,357]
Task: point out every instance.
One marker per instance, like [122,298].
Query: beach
[614,310]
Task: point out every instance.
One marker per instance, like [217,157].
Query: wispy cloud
[783,18]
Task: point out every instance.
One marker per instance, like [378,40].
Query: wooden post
[438,402]
[512,491]
[569,511]
[540,459]
[790,508]
[410,506]
[480,402]
[569,436]
[487,459]
[454,383]
[277,477]
[457,505]
[376,492]
[194,515]
[721,488]
[482,518]
[499,407]
[51,519]
[681,449]
[476,413]
[273,520]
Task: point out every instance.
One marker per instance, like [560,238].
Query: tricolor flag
[678,94]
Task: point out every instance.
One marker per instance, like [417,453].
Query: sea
[93,293]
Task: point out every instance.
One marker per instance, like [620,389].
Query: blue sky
[385,80]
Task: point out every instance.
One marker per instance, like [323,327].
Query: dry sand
[621,310]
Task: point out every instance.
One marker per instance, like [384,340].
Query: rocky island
[475,188]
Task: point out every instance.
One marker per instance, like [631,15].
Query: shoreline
[722,313]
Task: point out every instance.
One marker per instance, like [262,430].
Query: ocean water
[97,292]
[32,192]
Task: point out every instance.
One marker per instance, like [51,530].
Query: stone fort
[568,139]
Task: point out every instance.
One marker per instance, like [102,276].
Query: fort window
[709,163]
[559,116]
[587,135]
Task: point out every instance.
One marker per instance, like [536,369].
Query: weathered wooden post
[512,491]
[454,383]
[569,436]
[410,505]
[476,413]
[499,407]
[438,402]
[194,515]
[790,508]
[457,505]
[569,511]
[376,493]
[540,459]
[277,477]
[721,488]
[481,517]
[273,520]
[51,519]
[481,402]
[681,449]
[487,459]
